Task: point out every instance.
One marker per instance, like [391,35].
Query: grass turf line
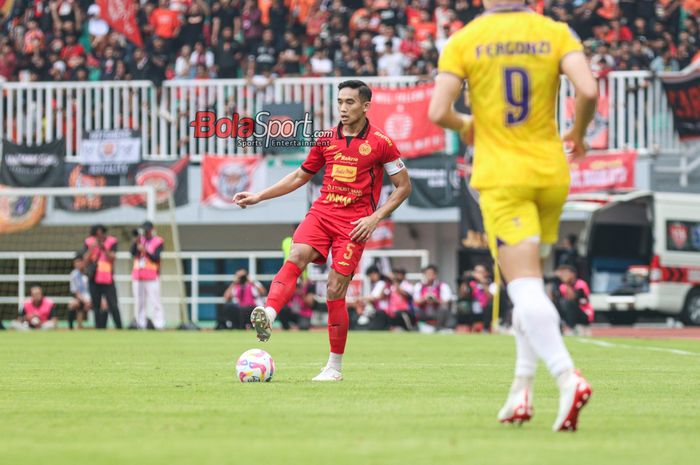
[173,398]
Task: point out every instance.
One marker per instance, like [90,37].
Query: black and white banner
[435,182]
[110,151]
[32,166]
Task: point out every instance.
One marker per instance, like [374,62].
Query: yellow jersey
[510,58]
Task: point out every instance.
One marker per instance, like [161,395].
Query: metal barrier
[194,298]
[33,113]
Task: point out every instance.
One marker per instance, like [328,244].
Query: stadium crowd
[61,40]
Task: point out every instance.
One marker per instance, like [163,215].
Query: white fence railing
[195,278]
[33,113]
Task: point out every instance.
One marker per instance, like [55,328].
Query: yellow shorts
[514,214]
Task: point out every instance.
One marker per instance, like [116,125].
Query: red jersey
[352,182]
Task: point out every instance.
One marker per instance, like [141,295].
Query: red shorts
[328,234]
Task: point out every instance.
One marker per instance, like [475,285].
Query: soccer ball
[255,365]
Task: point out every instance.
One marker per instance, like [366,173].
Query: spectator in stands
[228,54]
[97,27]
[201,56]
[573,301]
[251,24]
[165,22]
[38,312]
[433,300]
[290,56]
[391,63]
[300,308]
[80,302]
[146,250]
[100,253]
[240,298]
[664,62]
[225,14]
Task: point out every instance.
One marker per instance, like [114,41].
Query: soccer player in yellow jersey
[512,59]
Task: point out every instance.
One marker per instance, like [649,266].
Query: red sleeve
[314,161]
[391,152]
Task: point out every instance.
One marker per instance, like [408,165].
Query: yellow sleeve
[452,58]
[568,41]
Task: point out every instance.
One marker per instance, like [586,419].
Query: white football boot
[328,374]
[573,396]
[262,318]
[518,407]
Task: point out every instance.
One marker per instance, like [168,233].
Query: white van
[642,252]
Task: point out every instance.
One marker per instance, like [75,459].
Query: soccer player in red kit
[341,220]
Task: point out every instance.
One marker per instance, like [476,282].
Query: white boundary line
[607,344]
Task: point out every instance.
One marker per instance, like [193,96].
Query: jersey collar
[361,135]
[508,9]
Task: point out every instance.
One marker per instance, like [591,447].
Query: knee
[299,257]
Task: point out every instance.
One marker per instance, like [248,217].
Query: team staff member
[99,253]
[355,155]
[145,274]
[512,59]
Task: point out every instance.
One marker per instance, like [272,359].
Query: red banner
[224,177]
[121,16]
[401,114]
[597,133]
[611,171]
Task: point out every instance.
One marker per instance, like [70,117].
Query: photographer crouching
[146,249]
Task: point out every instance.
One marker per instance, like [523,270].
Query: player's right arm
[284,186]
[575,67]
[293,181]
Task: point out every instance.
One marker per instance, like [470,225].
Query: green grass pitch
[172,398]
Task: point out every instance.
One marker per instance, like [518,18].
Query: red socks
[338,323]
[283,286]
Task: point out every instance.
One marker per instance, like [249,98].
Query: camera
[138,232]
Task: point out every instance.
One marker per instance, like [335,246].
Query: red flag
[121,16]
[400,113]
[224,177]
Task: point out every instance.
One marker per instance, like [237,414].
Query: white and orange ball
[254,366]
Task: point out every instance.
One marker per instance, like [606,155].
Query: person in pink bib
[100,253]
[145,274]
[38,312]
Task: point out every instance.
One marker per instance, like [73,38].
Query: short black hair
[372,269]
[362,88]
[97,227]
[431,267]
[568,268]
[399,271]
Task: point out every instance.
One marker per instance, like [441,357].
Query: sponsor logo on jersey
[382,136]
[337,198]
[365,149]
[344,173]
[331,147]
[340,157]
[343,264]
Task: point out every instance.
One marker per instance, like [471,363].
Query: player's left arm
[448,87]
[364,227]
